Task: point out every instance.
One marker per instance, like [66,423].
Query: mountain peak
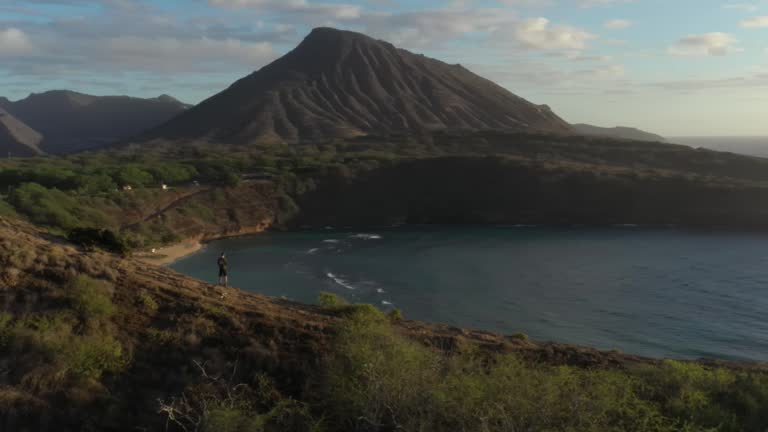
[335,35]
[60,96]
[340,84]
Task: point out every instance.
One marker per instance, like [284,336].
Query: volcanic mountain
[16,138]
[71,121]
[339,84]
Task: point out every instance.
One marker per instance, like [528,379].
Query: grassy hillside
[214,190]
[92,341]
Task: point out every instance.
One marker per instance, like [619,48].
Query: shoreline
[168,255]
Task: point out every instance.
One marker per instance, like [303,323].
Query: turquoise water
[648,291]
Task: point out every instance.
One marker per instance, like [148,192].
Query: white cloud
[617,24]
[707,44]
[537,33]
[755,22]
[527,3]
[747,7]
[316,10]
[422,29]
[604,72]
[172,54]
[14,42]
[593,3]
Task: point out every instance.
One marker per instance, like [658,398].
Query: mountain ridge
[342,84]
[70,121]
[621,132]
[16,138]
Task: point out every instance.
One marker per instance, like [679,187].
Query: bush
[331,301]
[693,394]
[395,315]
[147,302]
[219,405]
[91,298]
[520,336]
[49,346]
[91,356]
[103,238]
[378,380]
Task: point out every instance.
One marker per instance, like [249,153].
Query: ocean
[661,292]
[752,146]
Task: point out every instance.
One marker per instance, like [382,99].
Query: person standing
[223,276]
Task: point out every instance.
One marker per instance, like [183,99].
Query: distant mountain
[17,138]
[72,121]
[5,104]
[618,132]
[340,84]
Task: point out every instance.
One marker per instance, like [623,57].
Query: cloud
[14,42]
[180,55]
[707,44]
[736,82]
[747,7]
[603,72]
[755,22]
[537,33]
[594,3]
[617,24]
[434,28]
[527,3]
[303,7]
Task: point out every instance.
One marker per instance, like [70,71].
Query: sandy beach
[169,254]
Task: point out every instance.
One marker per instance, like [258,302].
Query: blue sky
[675,67]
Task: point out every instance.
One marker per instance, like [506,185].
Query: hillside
[341,84]
[16,138]
[71,121]
[109,343]
[619,132]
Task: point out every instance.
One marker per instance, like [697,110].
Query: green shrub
[91,356]
[379,380]
[331,301]
[395,315]
[91,298]
[93,237]
[161,337]
[199,211]
[376,376]
[147,302]
[690,393]
[520,336]
[50,344]
[7,210]
[55,208]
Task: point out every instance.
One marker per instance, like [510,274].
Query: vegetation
[91,298]
[389,180]
[49,348]
[82,348]
[379,380]
[91,238]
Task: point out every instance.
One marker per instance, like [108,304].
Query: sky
[673,67]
